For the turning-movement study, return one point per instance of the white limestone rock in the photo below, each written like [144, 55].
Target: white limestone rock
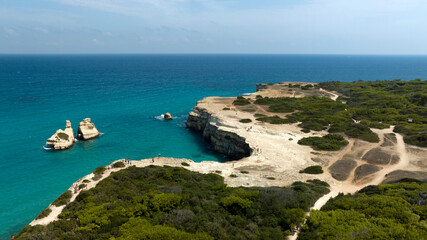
[62, 139]
[87, 130]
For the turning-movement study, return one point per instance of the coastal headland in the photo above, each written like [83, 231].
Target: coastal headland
[267, 151]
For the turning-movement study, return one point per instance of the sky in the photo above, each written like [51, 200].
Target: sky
[213, 26]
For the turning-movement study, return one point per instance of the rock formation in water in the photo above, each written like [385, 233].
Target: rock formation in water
[167, 116]
[87, 130]
[223, 141]
[62, 139]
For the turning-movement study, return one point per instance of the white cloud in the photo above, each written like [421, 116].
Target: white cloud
[10, 31]
[97, 42]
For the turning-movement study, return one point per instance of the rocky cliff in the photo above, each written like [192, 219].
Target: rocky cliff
[87, 130]
[62, 139]
[225, 142]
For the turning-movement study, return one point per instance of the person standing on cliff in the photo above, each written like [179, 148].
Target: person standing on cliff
[159, 155]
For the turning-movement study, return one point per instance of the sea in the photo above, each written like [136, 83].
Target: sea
[125, 96]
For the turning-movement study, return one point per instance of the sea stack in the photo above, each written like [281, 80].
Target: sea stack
[167, 116]
[87, 130]
[62, 139]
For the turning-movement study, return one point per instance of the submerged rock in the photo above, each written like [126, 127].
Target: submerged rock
[87, 130]
[62, 139]
[167, 116]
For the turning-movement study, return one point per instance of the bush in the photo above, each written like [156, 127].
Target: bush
[185, 164]
[233, 175]
[241, 101]
[330, 142]
[318, 182]
[218, 171]
[226, 108]
[86, 181]
[81, 186]
[245, 120]
[63, 199]
[118, 165]
[244, 172]
[98, 173]
[44, 213]
[275, 120]
[312, 170]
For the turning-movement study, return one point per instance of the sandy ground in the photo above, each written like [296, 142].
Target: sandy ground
[277, 158]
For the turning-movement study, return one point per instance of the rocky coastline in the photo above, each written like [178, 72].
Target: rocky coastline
[229, 143]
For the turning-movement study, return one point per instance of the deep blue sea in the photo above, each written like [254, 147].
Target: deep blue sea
[123, 94]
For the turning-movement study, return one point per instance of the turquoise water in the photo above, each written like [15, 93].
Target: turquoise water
[123, 94]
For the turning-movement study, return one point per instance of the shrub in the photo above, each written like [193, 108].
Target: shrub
[233, 175]
[312, 170]
[330, 142]
[44, 213]
[318, 182]
[226, 108]
[271, 178]
[86, 181]
[118, 165]
[275, 120]
[244, 172]
[63, 199]
[81, 186]
[257, 115]
[185, 164]
[98, 173]
[218, 171]
[241, 101]
[245, 120]
[258, 96]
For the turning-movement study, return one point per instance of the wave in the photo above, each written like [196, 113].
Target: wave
[101, 133]
[161, 117]
[47, 148]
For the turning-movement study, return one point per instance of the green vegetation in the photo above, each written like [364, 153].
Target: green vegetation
[258, 115]
[233, 175]
[388, 103]
[226, 108]
[241, 101]
[86, 181]
[318, 182]
[174, 203]
[312, 170]
[330, 142]
[245, 120]
[98, 173]
[377, 104]
[44, 213]
[118, 165]
[275, 120]
[244, 172]
[392, 211]
[63, 199]
[185, 164]
[81, 186]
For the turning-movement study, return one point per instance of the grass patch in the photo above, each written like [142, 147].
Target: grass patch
[245, 120]
[330, 142]
[312, 170]
[44, 213]
[63, 199]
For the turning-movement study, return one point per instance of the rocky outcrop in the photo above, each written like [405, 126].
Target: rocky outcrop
[62, 139]
[167, 116]
[223, 141]
[87, 130]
